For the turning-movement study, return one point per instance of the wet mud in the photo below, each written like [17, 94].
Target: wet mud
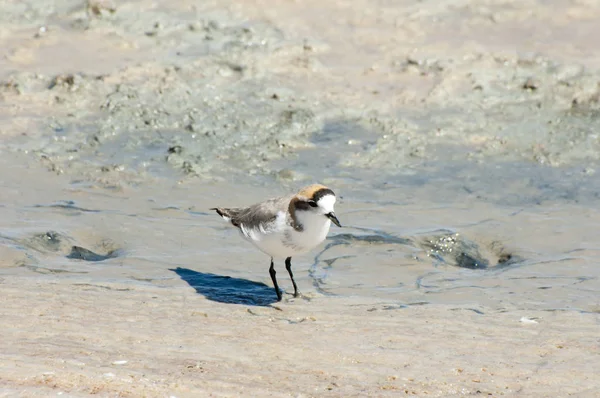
[460, 138]
[205, 108]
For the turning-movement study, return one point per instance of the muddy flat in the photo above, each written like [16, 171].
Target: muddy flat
[460, 138]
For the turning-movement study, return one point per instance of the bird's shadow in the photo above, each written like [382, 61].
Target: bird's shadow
[226, 289]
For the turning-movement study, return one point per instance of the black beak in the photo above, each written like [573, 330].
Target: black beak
[333, 219]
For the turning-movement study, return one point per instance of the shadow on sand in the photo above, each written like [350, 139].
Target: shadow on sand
[225, 289]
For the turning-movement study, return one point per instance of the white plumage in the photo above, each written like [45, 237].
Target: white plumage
[286, 226]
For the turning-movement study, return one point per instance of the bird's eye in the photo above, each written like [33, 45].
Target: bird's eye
[312, 203]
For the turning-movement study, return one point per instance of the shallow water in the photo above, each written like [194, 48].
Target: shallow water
[492, 254]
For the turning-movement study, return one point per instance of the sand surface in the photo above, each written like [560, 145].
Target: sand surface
[115, 340]
[462, 141]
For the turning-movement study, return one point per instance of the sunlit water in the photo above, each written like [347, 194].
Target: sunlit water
[431, 236]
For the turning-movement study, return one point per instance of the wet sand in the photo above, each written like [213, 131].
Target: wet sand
[460, 138]
[76, 338]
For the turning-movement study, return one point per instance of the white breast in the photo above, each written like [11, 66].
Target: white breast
[280, 240]
[314, 231]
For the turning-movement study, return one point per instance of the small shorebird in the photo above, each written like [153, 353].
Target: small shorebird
[285, 226]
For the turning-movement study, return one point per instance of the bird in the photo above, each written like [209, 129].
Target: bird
[286, 226]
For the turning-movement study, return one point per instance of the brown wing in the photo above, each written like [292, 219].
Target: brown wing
[256, 216]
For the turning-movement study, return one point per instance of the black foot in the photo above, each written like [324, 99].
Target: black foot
[288, 266]
[272, 273]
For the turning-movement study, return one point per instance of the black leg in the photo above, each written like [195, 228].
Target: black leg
[272, 273]
[288, 266]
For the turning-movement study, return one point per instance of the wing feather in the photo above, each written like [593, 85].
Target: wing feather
[261, 216]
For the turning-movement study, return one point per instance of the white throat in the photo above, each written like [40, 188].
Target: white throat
[315, 227]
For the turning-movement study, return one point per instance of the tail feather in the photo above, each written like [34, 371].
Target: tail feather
[220, 211]
[227, 214]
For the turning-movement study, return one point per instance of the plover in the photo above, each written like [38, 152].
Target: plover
[286, 226]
